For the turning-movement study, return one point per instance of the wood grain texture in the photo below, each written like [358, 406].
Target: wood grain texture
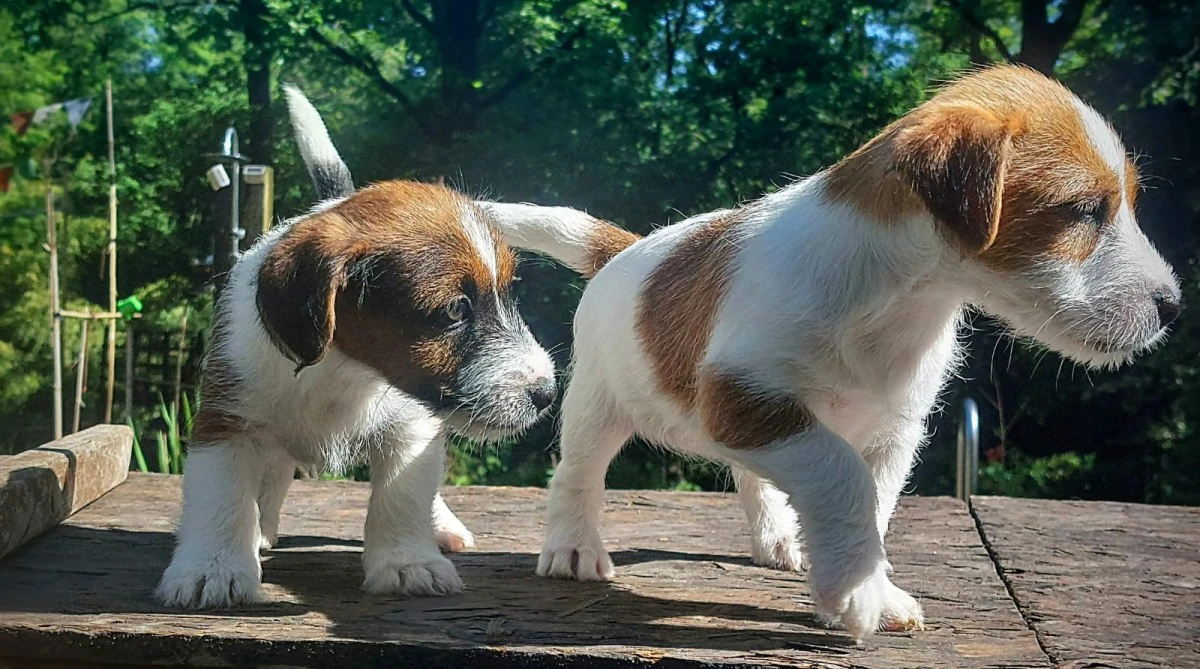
[1103, 584]
[685, 593]
[41, 487]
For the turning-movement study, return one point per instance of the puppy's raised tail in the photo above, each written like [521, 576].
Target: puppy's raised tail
[327, 169]
[582, 242]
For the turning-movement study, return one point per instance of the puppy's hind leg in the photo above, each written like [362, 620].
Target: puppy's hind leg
[279, 471]
[216, 555]
[774, 531]
[592, 435]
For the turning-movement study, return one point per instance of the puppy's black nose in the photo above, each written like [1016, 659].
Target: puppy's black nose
[542, 393]
[1169, 306]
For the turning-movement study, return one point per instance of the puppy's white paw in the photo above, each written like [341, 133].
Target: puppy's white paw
[777, 552]
[901, 613]
[220, 581]
[266, 541]
[583, 560]
[859, 609]
[411, 575]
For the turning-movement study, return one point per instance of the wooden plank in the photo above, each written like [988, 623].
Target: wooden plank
[1103, 584]
[685, 594]
[40, 488]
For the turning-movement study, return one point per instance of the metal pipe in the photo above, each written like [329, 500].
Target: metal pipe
[968, 451]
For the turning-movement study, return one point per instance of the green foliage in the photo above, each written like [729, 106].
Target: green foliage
[641, 112]
[169, 441]
[1062, 475]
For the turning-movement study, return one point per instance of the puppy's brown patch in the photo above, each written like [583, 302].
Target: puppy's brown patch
[216, 420]
[679, 302]
[375, 274]
[867, 181]
[605, 242]
[741, 417]
[1006, 136]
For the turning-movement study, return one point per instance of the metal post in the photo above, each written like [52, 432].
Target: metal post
[227, 205]
[257, 209]
[968, 450]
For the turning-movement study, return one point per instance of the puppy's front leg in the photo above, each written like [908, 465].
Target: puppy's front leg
[831, 488]
[891, 462]
[452, 535]
[400, 554]
[278, 471]
[216, 557]
[592, 435]
[774, 532]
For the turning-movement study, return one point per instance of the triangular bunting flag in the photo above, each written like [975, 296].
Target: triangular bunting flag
[44, 112]
[20, 121]
[76, 109]
[6, 173]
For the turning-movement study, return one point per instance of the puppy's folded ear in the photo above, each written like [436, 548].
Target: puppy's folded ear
[956, 159]
[298, 284]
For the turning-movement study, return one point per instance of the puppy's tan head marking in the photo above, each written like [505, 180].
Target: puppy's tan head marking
[679, 301]
[955, 159]
[1001, 159]
[399, 246]
[1037, 193]
[413, 281]
[741, 417]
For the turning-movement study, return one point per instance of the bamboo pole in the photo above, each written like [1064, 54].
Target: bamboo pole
[81, 373]
[55, 318]
[179, 353]
[88, 315]
[129, 339]
[110, 355]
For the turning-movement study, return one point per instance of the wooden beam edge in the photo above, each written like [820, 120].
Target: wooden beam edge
[42, 487]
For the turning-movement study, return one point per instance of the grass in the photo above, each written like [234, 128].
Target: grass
[168, 443]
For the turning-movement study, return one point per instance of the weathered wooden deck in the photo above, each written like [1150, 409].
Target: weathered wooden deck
[1015, 583]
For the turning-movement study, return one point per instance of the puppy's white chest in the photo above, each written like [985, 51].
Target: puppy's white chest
[856, 416]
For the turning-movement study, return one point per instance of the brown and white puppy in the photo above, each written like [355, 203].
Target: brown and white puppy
[805, 337]
[368, 329]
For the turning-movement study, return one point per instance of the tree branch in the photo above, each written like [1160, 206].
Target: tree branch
[369, 67]
[1071, 13]
[979, 24]
[520, 78]
[424, 21]
[152, 6]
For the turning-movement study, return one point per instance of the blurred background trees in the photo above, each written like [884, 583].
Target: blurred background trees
[639, 112]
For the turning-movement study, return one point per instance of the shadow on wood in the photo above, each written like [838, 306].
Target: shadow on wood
[685, 594]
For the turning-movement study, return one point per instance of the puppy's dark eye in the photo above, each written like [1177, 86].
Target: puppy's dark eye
[459, 310]
[1092, 211]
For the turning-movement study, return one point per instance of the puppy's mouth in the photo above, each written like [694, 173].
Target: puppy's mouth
[489, 423]
[1101, 350]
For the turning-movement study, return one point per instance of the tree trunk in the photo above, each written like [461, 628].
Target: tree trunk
[457, 29]
[1043, 41]
[257, 61]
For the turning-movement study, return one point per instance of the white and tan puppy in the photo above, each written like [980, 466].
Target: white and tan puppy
[368, 329]
[804, 338]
